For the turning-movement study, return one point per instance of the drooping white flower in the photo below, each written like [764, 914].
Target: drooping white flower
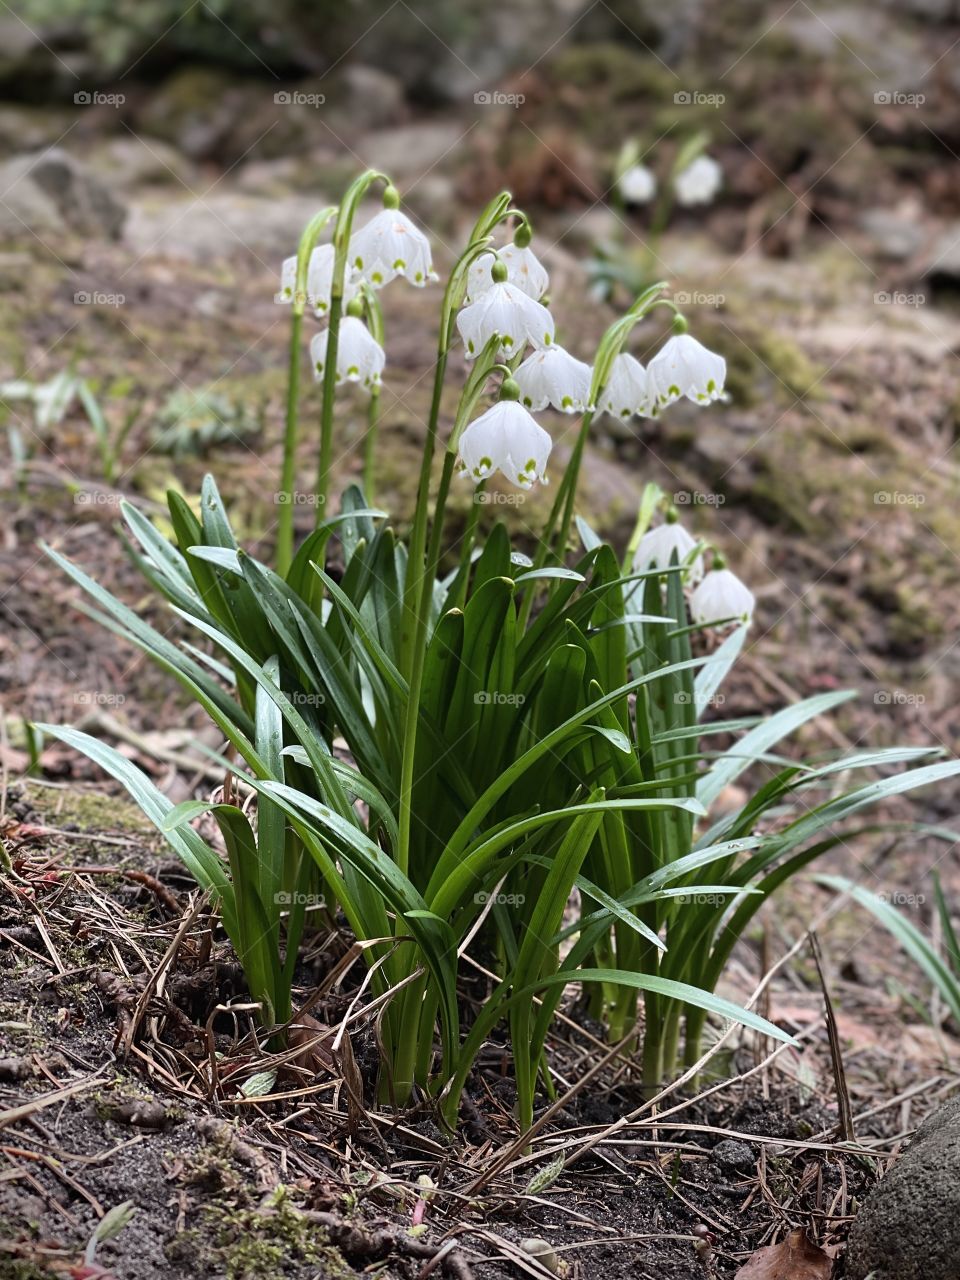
[555, 377]
[657, 546]
[319, 280]
[524, 270]
[360, 358]
[720, 597]
[507, 310]
[626, 391]
[685, 367]
[637, 184]
[699, 182]
[390, 245]
[507, 439]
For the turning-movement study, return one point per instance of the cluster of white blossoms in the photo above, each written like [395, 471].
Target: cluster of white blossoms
[717, 596]
[699, 182]
[386, 247]
[504, 298]
[696, 183]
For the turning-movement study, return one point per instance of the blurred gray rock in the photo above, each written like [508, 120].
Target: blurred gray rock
[221, 225]
[412, 149]
[942, 263]
[441, 51]
[24, 128]
[50, 191]
[878, 48]
[127, 162]
[363, 97]
[892, 234]
[909, 1226]
[194, 111]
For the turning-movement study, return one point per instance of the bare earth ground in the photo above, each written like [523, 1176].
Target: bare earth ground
[829, 480]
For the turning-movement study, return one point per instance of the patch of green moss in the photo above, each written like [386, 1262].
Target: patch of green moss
[250, 1245]
[799, 485]
[764, 354]
[615, 70]
[91, 811]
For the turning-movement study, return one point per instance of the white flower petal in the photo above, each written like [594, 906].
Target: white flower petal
[390, 245]
[360, 358]
[507, 310]
[720, 597]
[319, 280]
[524, 270]
[699, 182]
[657, 546]
[506, 439]
[637, 184]
[626, 391]
[685, 367]
[554, 377]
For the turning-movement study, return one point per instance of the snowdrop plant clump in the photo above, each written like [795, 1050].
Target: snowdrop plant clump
[692, 180]
[477, 759]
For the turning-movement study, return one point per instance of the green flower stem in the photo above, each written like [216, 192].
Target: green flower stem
[562, 508]
[370, 445]
[421, 613]
[322, 490]
[407, 1042]
[308, 242]
[341, 243]
[458, 591]
[693, 1034]
[573, 480]
[288, 471]
[374, 316]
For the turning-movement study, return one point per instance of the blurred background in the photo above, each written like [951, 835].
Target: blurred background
[158, 160]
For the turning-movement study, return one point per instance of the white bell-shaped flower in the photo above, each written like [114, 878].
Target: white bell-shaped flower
[721, 597]
[684, 367]
[699, 182]
[506, 439]
[637, 185]
[626, 391]
[390, 245]
[360, 358]
[319, 280]
[524, 270]
[555, 377]
[505, 309]
[657, 547]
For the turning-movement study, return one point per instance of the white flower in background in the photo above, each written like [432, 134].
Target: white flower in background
[626, 391]
[554, 377]
[699, 182]
[524, 270]
[657, 546]
[390, 245]
[684, 367]
[507, 310]
[637, 184]
[319, 280]
[360, 358]
[721, 597]
[507, 439]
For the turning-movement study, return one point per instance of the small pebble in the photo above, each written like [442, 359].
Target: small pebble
[732, 1153]
[542, 1250]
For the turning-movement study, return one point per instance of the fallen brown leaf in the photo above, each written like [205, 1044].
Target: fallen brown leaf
[795, 1258]
[321, 1053]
